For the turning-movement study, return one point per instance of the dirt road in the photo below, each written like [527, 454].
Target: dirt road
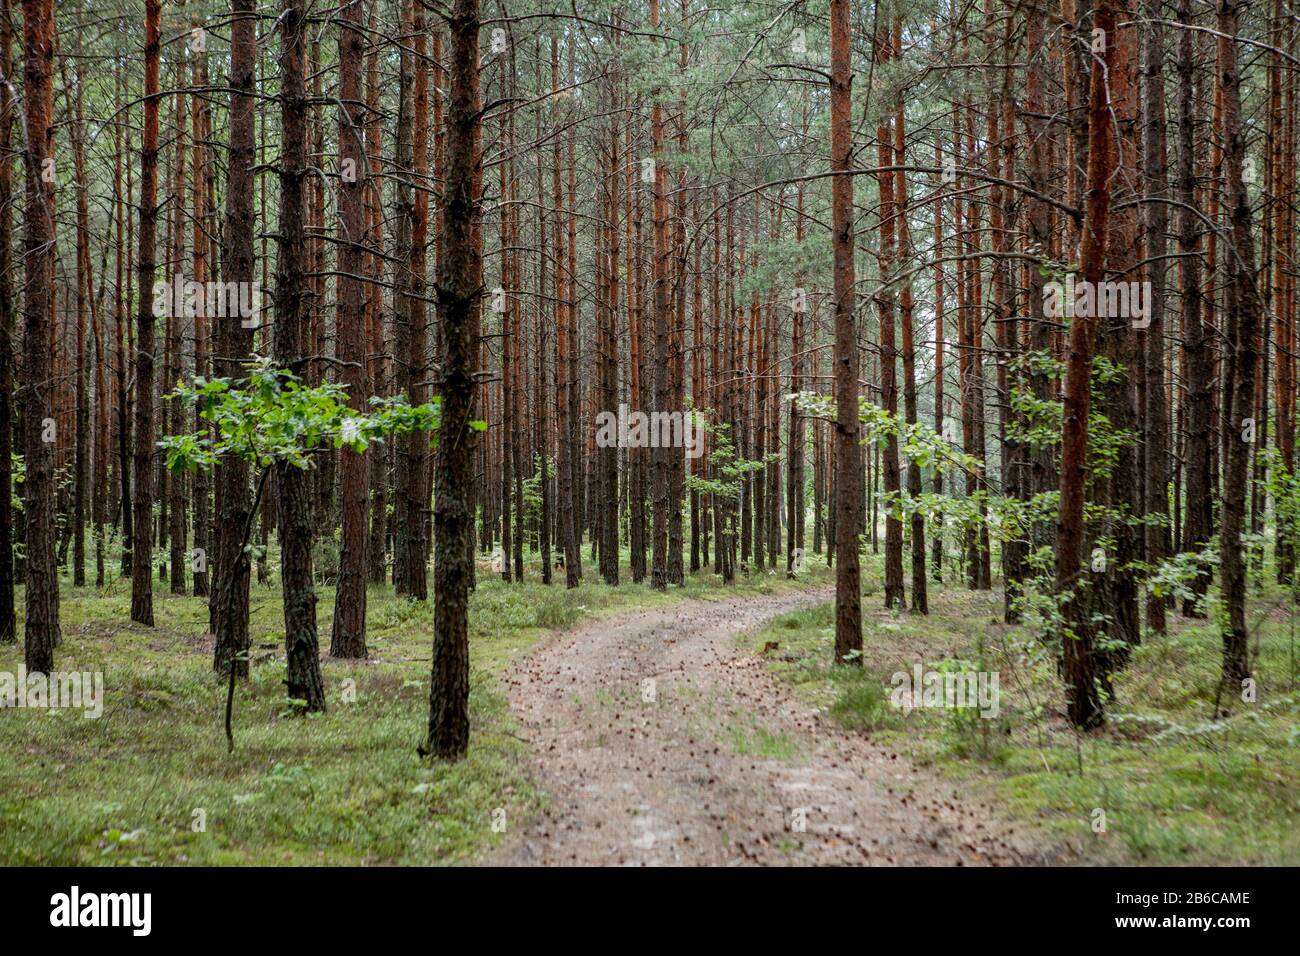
[663, 742]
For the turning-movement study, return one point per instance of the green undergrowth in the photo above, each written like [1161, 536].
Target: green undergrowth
[1163, 782]
[151, 782]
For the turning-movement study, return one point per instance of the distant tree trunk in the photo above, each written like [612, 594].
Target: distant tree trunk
[519, 369]
[968, 547]
[41, 624]
[348, 638]
[920, 594]
[758, 421]
[677, 334]
[575, 384]
[125, 350]
[541, 392]
[1006, 323]
[699, 402]
[1281, 113]
[1155, 414]
[1273, 294]
[659, 455]
[410, 341]
[174, 483]
[978, 545]
[564, 385]
[848, 451]
[721, 365]
[797, 440]
[505, 432]
[458, 295]
[377, 351]
[609, 357]
[435, 351]
[1196, 331]
[885, 301]
[85, 295]
[939, 349]
[203, 231]
[1042, 459]
[142, 546]
[418, 546]
[636, 457]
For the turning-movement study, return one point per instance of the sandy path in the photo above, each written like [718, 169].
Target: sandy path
[724, 761]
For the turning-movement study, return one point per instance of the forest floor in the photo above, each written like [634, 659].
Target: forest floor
[748, 747]
[1164, 782]
[150, 781]
[661, 740]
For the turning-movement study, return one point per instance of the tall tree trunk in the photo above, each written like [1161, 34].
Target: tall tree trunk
[609, 356]
[1199, 461]
[41, 623]
[920, 594]
[85, 295]
[564, 384]
[885, 301]
[1243, 308]
[234, 343]
[301, 646]
[940, 407]
[348, 638]
[848, 451]
[142, 545]
[410, 341]
[797, 441]
[660, 454]
[174, 483]
[458, 295]
[541, 392]
[1155, 414]
[1042, 477]
[1115, 489]
[125, 330]
[8, 308]
[1079, 664]
[201, 120]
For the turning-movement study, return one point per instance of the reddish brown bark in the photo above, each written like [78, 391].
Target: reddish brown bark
[1079, 665]
[848, 464]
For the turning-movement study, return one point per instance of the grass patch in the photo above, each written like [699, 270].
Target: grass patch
[150, 782]
[1175, 785]
[759, 741]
